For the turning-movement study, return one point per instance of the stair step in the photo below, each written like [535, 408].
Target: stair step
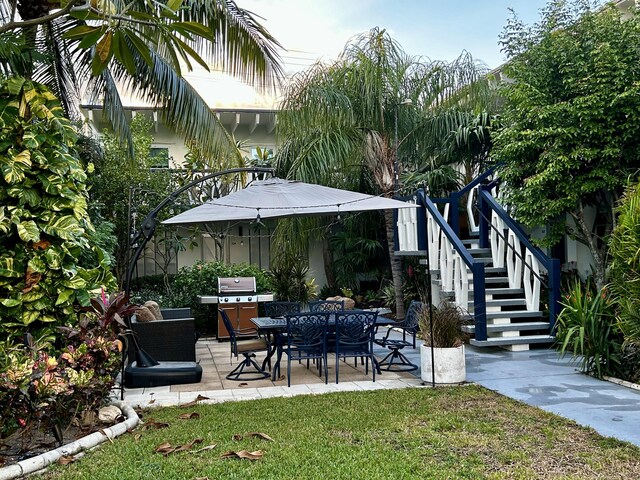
[510, 314]
[501, 341]
[503, 302]
[480, 251]
[489, 291]
[502, 291]
[509, 327]
[484, 260]
[495, 270]
[496, 280]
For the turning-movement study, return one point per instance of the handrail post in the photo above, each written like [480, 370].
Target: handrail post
[479, 301]
[421, 224]
[554, 293]
[396, 232]
[454, 213]
[483, 224]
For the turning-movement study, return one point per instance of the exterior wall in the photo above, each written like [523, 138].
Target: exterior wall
[316, 264]
[578, 255]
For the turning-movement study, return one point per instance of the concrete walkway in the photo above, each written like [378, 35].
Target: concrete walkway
[537, 377]
[542, 379]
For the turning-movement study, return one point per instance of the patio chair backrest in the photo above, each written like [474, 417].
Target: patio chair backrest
[280, 309]
[355, 327]
[232, 331]
[326, 306]
[308, 329]
[411, 322]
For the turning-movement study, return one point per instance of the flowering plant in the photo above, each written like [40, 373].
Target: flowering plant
[39, 384]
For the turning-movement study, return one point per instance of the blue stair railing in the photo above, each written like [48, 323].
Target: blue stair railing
[445, 233]
[510, 248]
[494, 220]
[455, 198]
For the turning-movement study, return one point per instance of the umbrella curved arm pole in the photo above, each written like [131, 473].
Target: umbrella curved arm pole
[150, 222]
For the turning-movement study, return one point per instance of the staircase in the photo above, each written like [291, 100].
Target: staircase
[496, 274]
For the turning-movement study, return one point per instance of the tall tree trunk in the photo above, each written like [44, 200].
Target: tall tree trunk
[588, 237]
[396, 264]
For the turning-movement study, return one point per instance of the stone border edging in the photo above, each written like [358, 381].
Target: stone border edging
[624, 383]
[39, 462]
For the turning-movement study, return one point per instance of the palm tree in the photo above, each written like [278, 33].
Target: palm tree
[347, 124]
[102, 48]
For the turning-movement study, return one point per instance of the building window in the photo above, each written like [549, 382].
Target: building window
[159, 157]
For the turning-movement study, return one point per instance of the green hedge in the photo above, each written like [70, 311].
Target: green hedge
[198, 279]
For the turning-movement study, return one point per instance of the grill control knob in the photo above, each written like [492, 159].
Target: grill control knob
[226, 299]
[249, 299]
[237, 299]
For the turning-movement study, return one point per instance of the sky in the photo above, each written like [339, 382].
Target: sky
[437, 29]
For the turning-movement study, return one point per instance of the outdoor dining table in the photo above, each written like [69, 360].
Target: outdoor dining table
[274, 327]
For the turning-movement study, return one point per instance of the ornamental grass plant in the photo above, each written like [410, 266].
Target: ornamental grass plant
[448, 320]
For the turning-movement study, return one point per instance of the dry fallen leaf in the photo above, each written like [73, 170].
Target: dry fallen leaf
[66, 460]
[208, 447]
[281, 377]
[243, 454]
[137, 437]
[188, 446]
[41, 245]
[152, 400]
[243, 384]
[189, 416]
[261, 435]
[166, 448]
[151, 423]
[201, 478]
[237, 437]
[193, 403]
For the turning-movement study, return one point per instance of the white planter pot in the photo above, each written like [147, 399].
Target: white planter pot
[450, 364]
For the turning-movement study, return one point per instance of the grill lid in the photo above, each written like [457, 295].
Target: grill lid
[234, 285]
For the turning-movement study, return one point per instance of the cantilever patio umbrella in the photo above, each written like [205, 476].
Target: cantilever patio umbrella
[275, 197]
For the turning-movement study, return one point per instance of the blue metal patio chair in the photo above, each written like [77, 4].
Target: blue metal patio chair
[355, 332]
[280, 309]
[396, 361]
[307, 340]
[326, 306]
[248, 349]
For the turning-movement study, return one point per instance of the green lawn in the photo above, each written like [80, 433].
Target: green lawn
[461, 432]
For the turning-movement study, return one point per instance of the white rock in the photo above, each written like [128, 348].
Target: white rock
[109, 414]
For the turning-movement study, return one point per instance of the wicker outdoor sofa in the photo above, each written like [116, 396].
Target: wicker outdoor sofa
[172, 339]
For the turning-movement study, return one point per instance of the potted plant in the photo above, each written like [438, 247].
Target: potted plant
[442, 352]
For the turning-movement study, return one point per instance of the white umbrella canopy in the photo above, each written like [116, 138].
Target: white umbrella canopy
[275, 197]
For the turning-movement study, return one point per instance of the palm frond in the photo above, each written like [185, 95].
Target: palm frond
[183, 109]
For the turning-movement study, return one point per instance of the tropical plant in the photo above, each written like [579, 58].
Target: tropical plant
[288, 276]
[447, 320]
[347, 124]
[41, 387]
[586, 327]
[624, 248]
[43, 215]
[124, 189]
[571, 134]
[357, 253]
[100, 47]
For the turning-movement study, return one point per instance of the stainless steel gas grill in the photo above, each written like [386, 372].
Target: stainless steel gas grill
[238, 298]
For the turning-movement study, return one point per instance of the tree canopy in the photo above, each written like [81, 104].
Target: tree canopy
[571, 134]
[99, 49]
[352, 123]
